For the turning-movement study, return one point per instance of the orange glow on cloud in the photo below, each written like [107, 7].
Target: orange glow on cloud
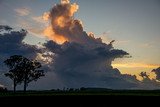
[65, 1]
[46, 16]
[136, 65]
[136, 68]
[74, 8]
[60, 39]
[48, 32]
[60, 21]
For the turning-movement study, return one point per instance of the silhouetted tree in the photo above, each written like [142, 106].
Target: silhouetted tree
[32, 72]
[23, 70]
[15, 72]
[144, 75]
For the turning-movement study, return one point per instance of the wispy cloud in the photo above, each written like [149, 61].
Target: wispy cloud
[43, 19]
[24, 11]
[147, 45]
[123, 42]
[33, 24]
[38, 19]
[106, 38]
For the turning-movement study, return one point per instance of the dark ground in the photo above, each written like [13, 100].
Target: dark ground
[81, 98]
[87, 92]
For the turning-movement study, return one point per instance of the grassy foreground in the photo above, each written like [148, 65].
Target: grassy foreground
[83, 93]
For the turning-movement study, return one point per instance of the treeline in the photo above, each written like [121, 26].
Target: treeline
[82, 89]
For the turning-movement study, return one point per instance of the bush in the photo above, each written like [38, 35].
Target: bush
[3, 89]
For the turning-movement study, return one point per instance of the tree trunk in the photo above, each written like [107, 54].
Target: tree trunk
[14, 85]
[25, 85]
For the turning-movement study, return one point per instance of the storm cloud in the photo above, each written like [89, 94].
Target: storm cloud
[72, 57]
[12, 44]
[157, 72]
[80, 59]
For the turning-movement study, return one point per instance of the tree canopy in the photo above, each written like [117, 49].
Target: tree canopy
[23, 70]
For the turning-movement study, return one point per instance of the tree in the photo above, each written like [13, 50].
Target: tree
[144, 75]
[23, 70]
[32, 72]
[15, 72]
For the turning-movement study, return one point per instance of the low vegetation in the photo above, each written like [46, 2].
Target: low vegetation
[82, 92]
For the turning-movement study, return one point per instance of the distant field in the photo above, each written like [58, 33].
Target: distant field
[83, 93]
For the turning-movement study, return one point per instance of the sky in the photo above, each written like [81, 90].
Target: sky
[133, 24]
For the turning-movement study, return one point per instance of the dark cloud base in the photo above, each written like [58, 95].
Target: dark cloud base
[74, 65]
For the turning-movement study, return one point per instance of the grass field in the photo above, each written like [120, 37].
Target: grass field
[83, 93]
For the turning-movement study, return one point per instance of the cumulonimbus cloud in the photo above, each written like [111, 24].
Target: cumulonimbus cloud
[80, 59]
[76, 58]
